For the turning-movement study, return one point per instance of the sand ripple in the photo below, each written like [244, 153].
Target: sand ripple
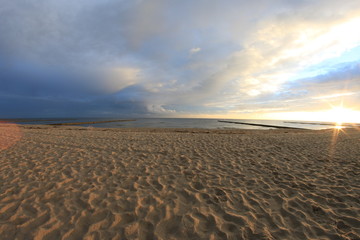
[78, 183]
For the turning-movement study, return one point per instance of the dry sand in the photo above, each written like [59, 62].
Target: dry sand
[86, 183]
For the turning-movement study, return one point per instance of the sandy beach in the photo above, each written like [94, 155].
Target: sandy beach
[62, 182]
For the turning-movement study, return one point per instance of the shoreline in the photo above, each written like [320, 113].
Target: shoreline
[71, 182]
[181, 123]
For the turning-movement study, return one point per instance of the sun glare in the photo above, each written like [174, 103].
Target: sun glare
[337, 115]
[340, 115]
[339, 127]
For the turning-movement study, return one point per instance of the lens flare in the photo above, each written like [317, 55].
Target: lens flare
[10, 134]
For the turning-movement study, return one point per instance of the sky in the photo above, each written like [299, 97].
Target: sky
[272, 59]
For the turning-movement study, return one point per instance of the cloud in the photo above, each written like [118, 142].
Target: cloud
[339, 86]
[336, 95]
[159, 109]
[195, 50]
[166, 57]
[119, 78]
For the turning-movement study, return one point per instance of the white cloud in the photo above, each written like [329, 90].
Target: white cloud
[195, 50]
[159, 109]
[119, 78]
[336, 95]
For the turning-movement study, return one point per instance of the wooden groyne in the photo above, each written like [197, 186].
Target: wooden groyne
[261, 125]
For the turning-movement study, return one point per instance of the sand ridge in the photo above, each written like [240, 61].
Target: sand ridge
[88, 183]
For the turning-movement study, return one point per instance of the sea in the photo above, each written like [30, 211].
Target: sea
[183, 123]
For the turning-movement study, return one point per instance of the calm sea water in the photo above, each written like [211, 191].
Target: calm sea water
[185, 123]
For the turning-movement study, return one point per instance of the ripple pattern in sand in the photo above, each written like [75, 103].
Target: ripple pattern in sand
[94, 184]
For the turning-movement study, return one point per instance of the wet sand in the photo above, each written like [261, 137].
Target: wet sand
[61, 182]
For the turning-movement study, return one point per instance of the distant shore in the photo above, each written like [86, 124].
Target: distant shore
[20, 120]
[92, 122]
[76, 182]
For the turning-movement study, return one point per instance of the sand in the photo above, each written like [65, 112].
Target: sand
[87, 183]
